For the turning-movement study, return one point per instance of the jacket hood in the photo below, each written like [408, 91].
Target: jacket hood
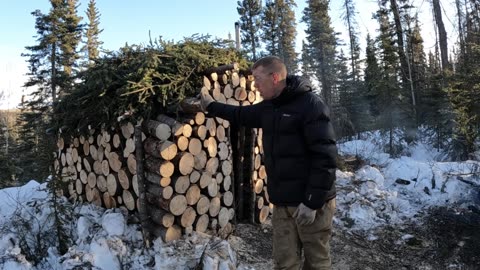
[296, 86]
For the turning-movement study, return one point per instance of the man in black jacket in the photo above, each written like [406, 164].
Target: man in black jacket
[300, 159]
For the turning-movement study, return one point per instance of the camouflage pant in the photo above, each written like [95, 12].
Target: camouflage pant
[289, 238]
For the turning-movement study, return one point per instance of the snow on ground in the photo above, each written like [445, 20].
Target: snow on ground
[102, 240]
[390, 190]
[386, 190]
[10, 198]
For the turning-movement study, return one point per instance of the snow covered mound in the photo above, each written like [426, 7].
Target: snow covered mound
[11, 197]
[384, 191]
[392, 190]
[101, 239]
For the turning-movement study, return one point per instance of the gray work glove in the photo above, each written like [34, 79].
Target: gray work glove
[205, 99]
[304, 215]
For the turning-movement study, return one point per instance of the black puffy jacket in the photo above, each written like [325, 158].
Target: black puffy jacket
[298, 140]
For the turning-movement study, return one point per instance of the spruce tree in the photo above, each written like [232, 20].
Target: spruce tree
[279, 31]
[354, 101]
[31, 156]
[401, 21]
[464, 89]
[93, 44]
[306, 63]
[69, 40]
[288, 34]
[321, 45]
[354, 46]
[45, 74]
[461, 26]
[250, 26]
[44, 63]
[418, 65]
[8, 136]
[343, 104]
[373, 77]
[442, 34]
[397, 13]
[270, 27]
[52, 62]
[70, 36]
[389, 92]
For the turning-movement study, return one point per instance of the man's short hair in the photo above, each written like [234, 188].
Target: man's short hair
[271, 63]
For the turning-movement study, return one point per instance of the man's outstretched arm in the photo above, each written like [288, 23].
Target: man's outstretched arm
[248, 116]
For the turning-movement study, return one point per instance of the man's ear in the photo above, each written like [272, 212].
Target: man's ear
[276, 77]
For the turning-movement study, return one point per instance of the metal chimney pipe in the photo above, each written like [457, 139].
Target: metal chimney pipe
[237, 35]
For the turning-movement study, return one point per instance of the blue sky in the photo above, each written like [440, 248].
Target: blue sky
[130, 21]
[121, 20]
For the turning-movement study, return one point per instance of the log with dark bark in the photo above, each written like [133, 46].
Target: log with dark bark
[190, 105]
[222, 69]
[142, 209]
[160, 167]
[175, 126]
[166, 150]
[157, 129]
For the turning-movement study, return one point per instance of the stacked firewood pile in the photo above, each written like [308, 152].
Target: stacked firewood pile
[186, 175]
[189, 175]
[241, 92]
[100, 168]
[263, 207]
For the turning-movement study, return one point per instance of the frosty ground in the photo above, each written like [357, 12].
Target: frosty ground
[413, 211]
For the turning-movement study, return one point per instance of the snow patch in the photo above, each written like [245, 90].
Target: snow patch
[386, 191]
[113, 224]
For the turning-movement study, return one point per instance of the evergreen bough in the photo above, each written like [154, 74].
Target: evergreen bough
[141, 80]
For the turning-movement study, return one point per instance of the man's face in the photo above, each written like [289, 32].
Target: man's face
[264, 82]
